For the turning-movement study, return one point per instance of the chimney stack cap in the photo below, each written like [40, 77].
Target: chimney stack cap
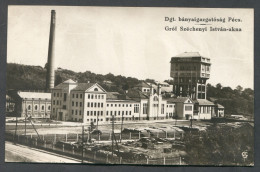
[52, 11]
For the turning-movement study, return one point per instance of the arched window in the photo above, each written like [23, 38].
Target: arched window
[29, 107]
[155, 98]
[95, 89]
[35, 107]
[42, 107]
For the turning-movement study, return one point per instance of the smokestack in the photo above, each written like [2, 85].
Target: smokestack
[50, 67]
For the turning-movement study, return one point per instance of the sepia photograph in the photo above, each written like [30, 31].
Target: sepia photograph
[162, 86]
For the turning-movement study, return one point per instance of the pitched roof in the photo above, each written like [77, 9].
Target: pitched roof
[178, 99]
[189, 54]
[143, 84]
[69, 81]
[136, 94]
[204, 102]
[83, 86]
[34, 95]
[220, 106]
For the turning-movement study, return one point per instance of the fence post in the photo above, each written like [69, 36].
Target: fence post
[83, 153]
[88, 136]
[52, 146]
[147, 161]
[73, 150]
[43, 137]
[36, 142]
[54, 138]
[166, 134]
[180, 160]
[77, 137]
[163, 160]
[95, 156]
[157, 134]
[63, 148]
[107, 159]
[139, 134]
[130, 136]
[45, 143]
[120, 161]
[66, 137]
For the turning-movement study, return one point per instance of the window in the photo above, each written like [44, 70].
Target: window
[87, 113]
[107, 113]
[119, 105]
[65, 97]
[101, 104]
[188, 108]
[130, 112]
[80, 104]
[58, 95]
[29, 107]
[72, 95]
[80, 112]
[107, 105]
[42, 107]
[95, 96]
[98, 96]
[118, 112]
[92, 96]
[111, 105]
[123, 112]
[115, 105]
[96, 89]
[88, 104]
[115, 113]
[145, 108]
[98, 104]
[76, 112]
[102, 96]
[91, 113]
[136, 108]
[126, 105]
[76, 104]
[54, 94]
[81, 96]
[155, 98]
[95, 113]
[91, 104]
[130, 105]
[123, 105]
[111, 113]
[126, 112]
[77, 95]
[101, 113]
[72, 103]
[35, 107]
[88, 96]
[95, 105]
[57, 102]
[72, 112]
[162, 109]
[49, 107]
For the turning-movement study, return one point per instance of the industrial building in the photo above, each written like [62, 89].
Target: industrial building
[190, 72]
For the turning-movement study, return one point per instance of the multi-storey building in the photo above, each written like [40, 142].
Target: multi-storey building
[32, 104]
[190, 72]
[89, 102]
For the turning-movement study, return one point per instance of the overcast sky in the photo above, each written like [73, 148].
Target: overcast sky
[131, 41]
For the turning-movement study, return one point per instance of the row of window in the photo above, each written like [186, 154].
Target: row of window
[119, 113]
[58, 102]
[95, 96]
[77, 96]
[36, 107]
[126, 119]
[76, 104]
[119, 105]
[76, 112]
[94, 113]
[94, 120]
[60, 95]
[205, 109]
[95, 104]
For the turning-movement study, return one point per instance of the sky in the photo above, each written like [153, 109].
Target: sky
[132, 41]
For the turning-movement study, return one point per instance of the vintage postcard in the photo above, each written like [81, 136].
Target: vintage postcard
[130, 85]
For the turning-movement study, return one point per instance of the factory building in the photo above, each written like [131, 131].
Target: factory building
[190, 72]
[89, 102]
[32, 104]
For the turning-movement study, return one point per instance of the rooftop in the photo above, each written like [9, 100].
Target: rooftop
[204, 102]
[178, 99]
[189, 54]
[34, 95]
[83, 86]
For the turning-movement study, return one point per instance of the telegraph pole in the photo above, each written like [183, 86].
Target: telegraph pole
[25, 122]
[122, 127]
[112, 136]
[82, 144]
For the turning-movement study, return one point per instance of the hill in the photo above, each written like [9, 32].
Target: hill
[24, 77]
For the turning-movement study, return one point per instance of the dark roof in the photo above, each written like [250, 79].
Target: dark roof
[83, 86]
[143, 84]
[136, 94]
[177, 100]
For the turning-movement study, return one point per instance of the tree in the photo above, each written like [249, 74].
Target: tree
[239, 89]
[219, 86]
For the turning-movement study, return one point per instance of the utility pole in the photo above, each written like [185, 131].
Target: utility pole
[25, 122]
[112, 137]
[82, 144]
[15, 129]
[122, 127]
